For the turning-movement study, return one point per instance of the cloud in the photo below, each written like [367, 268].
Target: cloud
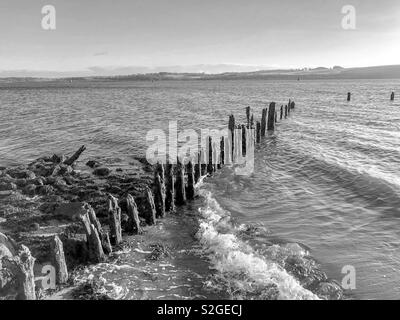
[103, 53]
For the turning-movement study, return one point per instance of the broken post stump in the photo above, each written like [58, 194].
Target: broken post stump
[248, 116]
[114, 213]
[292, 105]
[151, 210]
[159, 196]
[286, 111]
[58, 260]
[133, 224]
[210, 169]
[70, 161]
[258, 132]
[170, 189]
[197, 170]
[190, 184]
[348, 96]
[263, 122]
[180, 185]
[281, 115]
[243, 140]
[271, 116]
[392, 97]
[222, 150]
[103, 235]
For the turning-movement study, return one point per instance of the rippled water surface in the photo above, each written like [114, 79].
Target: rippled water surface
[328, 178]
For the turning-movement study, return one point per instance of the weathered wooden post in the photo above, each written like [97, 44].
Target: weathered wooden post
[276, 116]
[203, 163]
[231, 129]
[258, 132]
[281, 112]
[292, 104]
[263, 121]
[252, 121]
[222, 151]
[170, 189]
[210, 169]
[271, 116]
[286, 111]
[103, 234]
[197, 170]
[248, 116]
[180, 184]
[114, 213]
[348, 96]
[190, 184]
[159, 196]
[151, 213]
[133, 224]
[58, 260]
[243, 140]
[392, 97]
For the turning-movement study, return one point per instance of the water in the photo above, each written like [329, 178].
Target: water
[326, 182]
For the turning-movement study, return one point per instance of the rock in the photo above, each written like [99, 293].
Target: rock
[34, 226]
[71, 210]
[21, 183]
[93, 164]
[21, 173]
[45, 190]
[65, 169]
[16, 271]
[102, 171]
[330, 290]
[7, 186]
[119, 170]
[58, 158]
[29, 190]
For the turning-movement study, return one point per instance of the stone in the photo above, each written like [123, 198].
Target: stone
[7, 186]
[93, 164]
[330, 291]
[29, 190]
[45, 190]
[101, 171]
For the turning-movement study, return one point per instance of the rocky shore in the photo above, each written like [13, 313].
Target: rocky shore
[55, 217]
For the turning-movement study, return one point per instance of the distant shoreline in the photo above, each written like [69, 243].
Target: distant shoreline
[336, 73]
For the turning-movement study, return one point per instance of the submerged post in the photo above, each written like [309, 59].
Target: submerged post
[281, 113]
[243, 140]
[348, 96]
[286, 111]
[392, 97]
[222, 150]
[210, 156]
[231, 129]
[271, 116]
[258, 132]
[292, 104]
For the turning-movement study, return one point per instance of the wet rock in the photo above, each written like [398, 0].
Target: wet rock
[102, 172]
[58, 158]
[17, 173]
[71, 211]
[34, 226]
[330, 290]
[30, 190]
[65, 169]
[119, 170]
[93, 164]
[7, 186]
[45, 190]
[16, 271]
[21, 183]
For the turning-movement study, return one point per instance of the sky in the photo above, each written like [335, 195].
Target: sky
[102, 37]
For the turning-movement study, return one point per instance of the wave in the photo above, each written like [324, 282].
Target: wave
[240, 269]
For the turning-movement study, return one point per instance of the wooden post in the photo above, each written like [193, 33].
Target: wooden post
[190, 184]
[392, 97]
[70, 161]
[252, 121]
[243, 140]
[271, 116]
[248, 116]
[180, 184]
[133, 216]
[210, 156]
[276, 116]
[348, 96]
[286, 111]
[281, 113]
[203, 163]
[95, 248]
[151, 213]
[222, 150]
[263, 122]
[114, 212]
[258, 132]
[103, 234]
[292, 104]
[197, 170]
[159, 196]
[231, 129]
[58, 260]
[170, 189]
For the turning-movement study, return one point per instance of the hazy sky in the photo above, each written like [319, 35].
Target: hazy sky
[98, 34]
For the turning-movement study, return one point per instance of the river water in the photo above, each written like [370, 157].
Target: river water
[326, 183]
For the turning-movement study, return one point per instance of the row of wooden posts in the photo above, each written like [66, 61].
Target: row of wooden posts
[349, 96]
[174, 184]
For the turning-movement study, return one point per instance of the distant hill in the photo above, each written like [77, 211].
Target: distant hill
[337, 72]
